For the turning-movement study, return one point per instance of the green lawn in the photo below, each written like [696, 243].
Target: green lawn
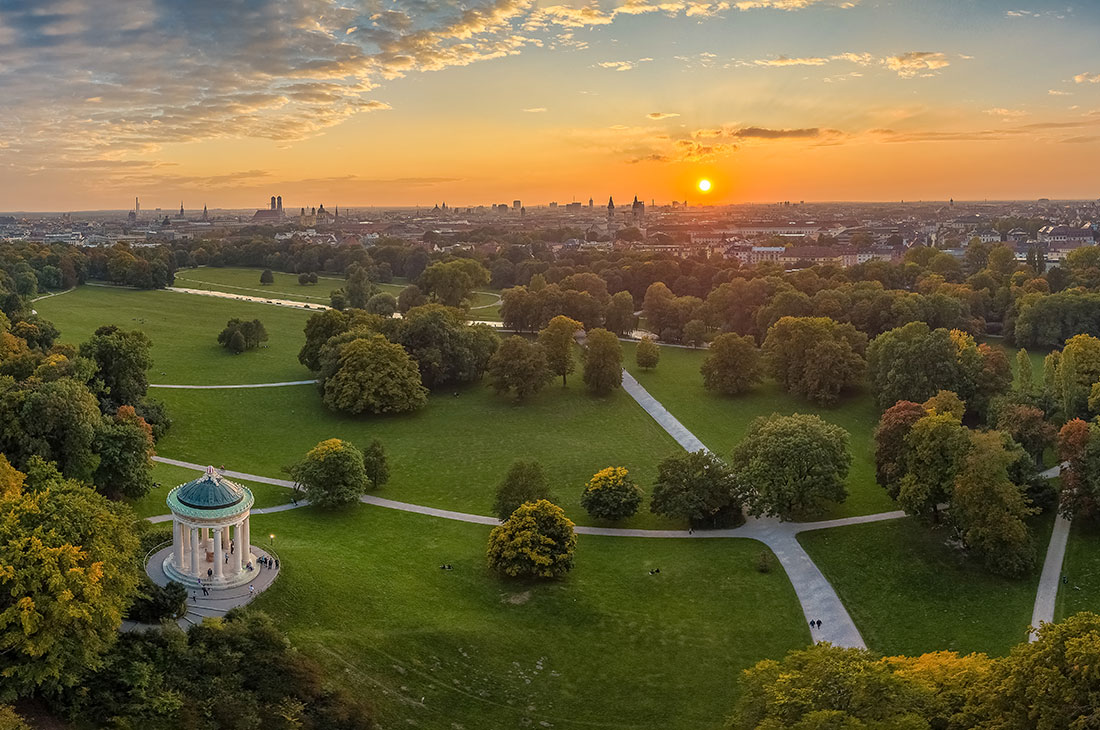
[247, 282]
[720, 421]
[152, 504]
[1081, 567]
[450, 454]
[910, 593]
[184, 329]
[609, 646]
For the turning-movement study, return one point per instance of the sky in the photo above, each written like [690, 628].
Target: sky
[416, 102]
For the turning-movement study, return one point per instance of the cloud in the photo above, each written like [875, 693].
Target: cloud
[1087, 78]
[661, 115]
[1006, 113]
[1056, 92]
[535, 109]
[623, 65]
[785, 61]
[765, 133]
[917, 63]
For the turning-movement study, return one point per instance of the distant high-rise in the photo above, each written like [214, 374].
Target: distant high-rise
[279, 204]
[137, 208]
[637, 210]
[273, 202]
[590, 202]
[516, 205]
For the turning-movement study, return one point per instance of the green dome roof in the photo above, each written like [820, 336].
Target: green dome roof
[211, 491]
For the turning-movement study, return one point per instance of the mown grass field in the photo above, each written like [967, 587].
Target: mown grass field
[184, 329]
[721, 421]
[609, 646]
[451, 454]
[1081, 568]
[909, 592]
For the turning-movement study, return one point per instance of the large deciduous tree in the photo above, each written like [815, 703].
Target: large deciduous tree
[647, 353]
[121, 359]
[792, 466]
[446, 349]
[891, 462]
[732, 365]
[68, 570]
[124, 444]
[332, 474]
[912, 363]
[611, 494]
[370, 374]
[603, 362]
[375, 464]
[451, 283]
[619, 316]
[815, 357]
[558, 340]
[240, 335]
[1027, 425]
[536, 541]
[519, 366]
[935, 448]
[696, 486]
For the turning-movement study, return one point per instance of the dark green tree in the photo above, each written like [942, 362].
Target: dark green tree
[376, 465]
[332, 474]
[694, 486]
[603, 362]
[519, 366]
[524, 482]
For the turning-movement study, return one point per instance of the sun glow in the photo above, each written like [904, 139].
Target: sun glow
[704, 185]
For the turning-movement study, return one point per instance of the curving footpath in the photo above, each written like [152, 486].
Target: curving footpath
[231, 387]
[1047, 594]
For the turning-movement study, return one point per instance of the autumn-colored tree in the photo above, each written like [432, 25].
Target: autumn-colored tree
[945, 401]
[536, 541]
[611, 494]
[558, 340]
[732, 365]
[1024, 383]
[891, 462]
[1027, 425]
[935, 447]
[988, 511]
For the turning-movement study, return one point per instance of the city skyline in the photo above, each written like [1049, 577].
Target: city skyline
[396, 106]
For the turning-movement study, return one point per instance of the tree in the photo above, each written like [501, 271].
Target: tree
[1079, 448]
[647, 353]
[332, 474]
[410, 297]
[815, 357]
[451, 283]
[383, 304]
[519, 365]
[694, 486]
[557, 340]
[1047, 683]
[695, 333]
[732, 365]
[524, 482]
[446, 349]
[370, 374]
[121, 359]
[611, 494]
[603, 362]
[56, 420]
[9, 720]
[69, 570]
[791, 466]
[536, 541]
[935, 448]
[989, 511]
[125, 448]
[619, 316]
[1028, 427]
[240, 335]
[945, 401]
[891, 460]
[1024, 384]
[319, 328]
[913, 363]
[267, 277]
[375, 464]
[359, 288]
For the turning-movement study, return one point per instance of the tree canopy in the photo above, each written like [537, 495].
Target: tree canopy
[536, 541]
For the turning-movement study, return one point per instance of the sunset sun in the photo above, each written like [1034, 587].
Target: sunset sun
[704, 185]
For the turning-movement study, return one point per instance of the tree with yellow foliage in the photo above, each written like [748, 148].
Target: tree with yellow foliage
[537, 541]
[611, 494]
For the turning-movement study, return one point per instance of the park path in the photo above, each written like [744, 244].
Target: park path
[1046, 595]
[230, 387]
[246, 298]
[660, 414]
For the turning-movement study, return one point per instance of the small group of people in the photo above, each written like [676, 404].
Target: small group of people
[267, 562]
[446, 566]
[655, 571]
[815, 623]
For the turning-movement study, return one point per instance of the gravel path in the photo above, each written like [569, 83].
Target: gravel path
[1049, 580]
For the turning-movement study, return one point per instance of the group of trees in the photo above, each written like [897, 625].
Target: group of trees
[334, 473]
[241, 335]
[371, 364]
[928, 460]
[1048, 683]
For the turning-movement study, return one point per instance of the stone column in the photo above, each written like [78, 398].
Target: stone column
[177, 542]
[225, 539]
[196, 550]
[235, 559]
[219, 556]
[246, 543]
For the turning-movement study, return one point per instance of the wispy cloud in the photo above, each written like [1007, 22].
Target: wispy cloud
[906, 65]
[1087, 78]
[1056, 92]
[623, 65]
[917, 63]
[535, 109]
[661, 115]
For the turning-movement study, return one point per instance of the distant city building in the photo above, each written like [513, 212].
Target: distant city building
[274, 214]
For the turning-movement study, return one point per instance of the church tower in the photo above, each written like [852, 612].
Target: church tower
[610, 210]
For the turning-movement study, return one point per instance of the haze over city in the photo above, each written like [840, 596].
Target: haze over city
[378, 104]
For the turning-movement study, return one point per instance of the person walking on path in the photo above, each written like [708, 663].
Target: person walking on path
[251, 589]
